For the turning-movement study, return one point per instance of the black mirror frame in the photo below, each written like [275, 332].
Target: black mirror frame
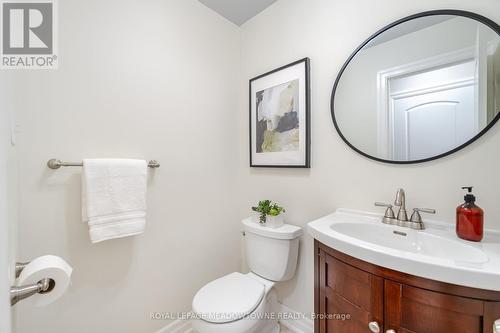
[494, 26]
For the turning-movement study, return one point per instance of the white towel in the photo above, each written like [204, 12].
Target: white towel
[114, 197]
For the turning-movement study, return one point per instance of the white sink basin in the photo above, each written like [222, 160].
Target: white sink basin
[411, 241]
[434, 253]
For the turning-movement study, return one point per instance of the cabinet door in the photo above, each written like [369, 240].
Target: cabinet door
[409, 309]
[344, 289]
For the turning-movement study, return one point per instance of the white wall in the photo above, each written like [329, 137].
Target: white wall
[8, 201]
[5, 278]
[327, 32]
[152, 79]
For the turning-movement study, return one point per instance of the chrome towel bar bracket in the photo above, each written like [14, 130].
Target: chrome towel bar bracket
[56, 164]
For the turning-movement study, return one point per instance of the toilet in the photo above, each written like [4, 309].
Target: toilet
[247, 303]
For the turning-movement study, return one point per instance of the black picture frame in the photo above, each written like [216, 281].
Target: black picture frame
[307, 126]
[491, 24]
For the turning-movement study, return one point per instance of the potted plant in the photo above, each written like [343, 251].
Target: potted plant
[269, 213]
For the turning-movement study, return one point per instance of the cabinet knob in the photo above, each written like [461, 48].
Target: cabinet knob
[374, 327]
[496, 326]
[390, 331]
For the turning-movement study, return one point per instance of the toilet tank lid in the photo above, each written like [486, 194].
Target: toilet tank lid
[286, 231]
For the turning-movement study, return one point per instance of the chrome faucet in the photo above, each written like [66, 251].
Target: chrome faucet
[401, 219]
[400, 201]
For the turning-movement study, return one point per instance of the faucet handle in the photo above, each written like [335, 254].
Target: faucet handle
[389, 213]
[415, 216]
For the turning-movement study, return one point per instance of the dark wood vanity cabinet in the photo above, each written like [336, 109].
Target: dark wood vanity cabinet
[394, 301]
[410, 309]
[344, 289]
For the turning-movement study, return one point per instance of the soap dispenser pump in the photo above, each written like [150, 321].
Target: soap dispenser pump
[470, 218]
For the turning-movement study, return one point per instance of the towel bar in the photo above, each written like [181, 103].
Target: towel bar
[56, 164]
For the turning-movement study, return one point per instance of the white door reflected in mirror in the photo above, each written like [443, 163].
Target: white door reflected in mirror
[433, 112]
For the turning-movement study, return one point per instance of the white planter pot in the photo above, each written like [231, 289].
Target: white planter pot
[254, 216]
[274, 221]
[271, 221]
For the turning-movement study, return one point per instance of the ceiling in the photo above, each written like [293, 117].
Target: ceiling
[238, 11]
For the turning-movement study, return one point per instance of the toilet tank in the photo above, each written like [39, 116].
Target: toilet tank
[272, 252]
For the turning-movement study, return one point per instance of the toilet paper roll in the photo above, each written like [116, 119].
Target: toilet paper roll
[51, 267]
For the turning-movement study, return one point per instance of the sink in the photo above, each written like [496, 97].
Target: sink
[411, 241]
[434, 253]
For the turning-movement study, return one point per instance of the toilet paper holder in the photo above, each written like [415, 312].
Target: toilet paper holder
[19, 293]
[19, 267]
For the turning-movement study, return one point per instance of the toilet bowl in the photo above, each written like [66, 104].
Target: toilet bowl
[247, 303]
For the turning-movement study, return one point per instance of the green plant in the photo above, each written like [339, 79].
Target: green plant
[267, 207]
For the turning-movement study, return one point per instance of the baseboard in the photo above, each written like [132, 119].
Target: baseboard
[291, 320]
[295, 321]
[178, 326]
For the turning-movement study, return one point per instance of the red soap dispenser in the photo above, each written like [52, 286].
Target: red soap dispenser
[470, 218]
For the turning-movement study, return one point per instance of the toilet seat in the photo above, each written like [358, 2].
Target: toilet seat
[229, 298]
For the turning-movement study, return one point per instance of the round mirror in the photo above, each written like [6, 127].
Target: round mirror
[421, 88]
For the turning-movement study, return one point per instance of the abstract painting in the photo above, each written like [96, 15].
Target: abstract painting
[277, 118]
[279, 111]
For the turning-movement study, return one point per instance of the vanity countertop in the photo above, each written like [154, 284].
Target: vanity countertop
[434, 253]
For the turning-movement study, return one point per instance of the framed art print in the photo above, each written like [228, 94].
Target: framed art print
[280, 117]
